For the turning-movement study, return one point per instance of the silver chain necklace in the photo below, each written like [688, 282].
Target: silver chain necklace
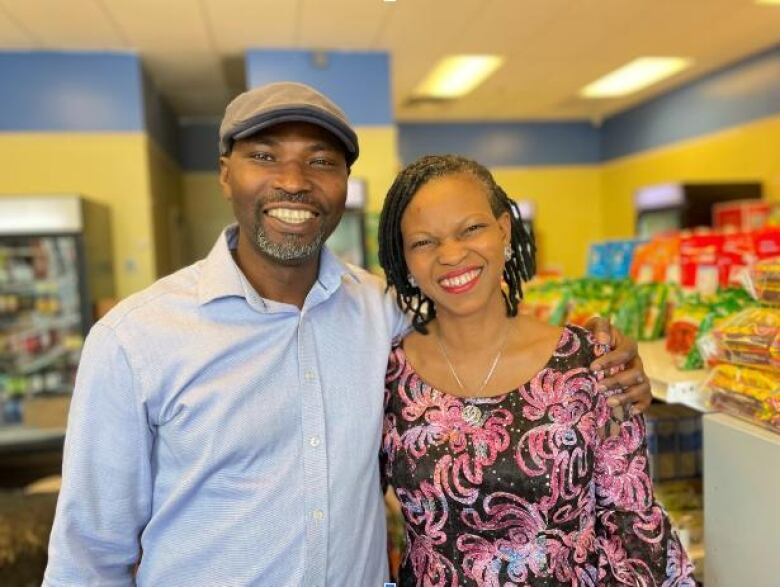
[490, 372]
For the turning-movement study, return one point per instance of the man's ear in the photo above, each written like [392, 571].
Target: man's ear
[224, 176]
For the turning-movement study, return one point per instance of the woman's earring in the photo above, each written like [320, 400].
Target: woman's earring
[507, 252]
[412, 281]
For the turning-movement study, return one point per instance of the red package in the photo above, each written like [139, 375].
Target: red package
[741, 214]
[766, 242]
[699, 254]
[737, 254]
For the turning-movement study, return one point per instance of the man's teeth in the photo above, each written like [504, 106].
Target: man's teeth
[460, 280]
[290, 215]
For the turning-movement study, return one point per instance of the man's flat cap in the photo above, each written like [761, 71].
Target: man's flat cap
[280, 102]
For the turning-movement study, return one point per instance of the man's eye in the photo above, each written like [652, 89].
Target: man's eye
[261, 156]
[323, 162]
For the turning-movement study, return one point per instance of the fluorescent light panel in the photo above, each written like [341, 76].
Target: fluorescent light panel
[769, 2]
[457, 75]
[635, 76]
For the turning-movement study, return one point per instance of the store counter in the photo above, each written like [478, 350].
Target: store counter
[741, 513]
[28, 453]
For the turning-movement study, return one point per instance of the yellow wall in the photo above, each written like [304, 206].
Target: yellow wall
[206, 212]
[165, 186]
[110, 168]
[378, 163]
[567, 211]
[748, 152]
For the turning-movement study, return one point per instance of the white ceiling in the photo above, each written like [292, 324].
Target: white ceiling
[193, 49]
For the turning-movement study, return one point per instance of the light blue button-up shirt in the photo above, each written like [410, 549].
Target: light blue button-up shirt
[232, 440]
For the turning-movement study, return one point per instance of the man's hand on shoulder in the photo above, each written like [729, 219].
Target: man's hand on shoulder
[632, 379]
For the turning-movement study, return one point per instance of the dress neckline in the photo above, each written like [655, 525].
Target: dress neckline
[565, 330]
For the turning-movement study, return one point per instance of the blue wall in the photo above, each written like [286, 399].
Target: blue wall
[358, 82]
[738, 94]
[504, 144]
[55, 91]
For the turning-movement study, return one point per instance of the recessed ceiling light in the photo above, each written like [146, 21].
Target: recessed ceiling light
[635, 76]
[457, 75]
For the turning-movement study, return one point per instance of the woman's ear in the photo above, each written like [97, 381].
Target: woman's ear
[505, 223]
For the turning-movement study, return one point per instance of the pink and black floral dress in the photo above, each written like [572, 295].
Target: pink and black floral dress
[525, 488]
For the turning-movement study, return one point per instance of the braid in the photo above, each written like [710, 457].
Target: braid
[520, 267]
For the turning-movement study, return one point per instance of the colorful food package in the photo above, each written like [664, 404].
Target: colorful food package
[741, 214]
[599, 260]
[766, 242]
[736, 255]
[612, 259]
[548, 303]
[746, 392]
[751, 338]
[656, 261]
[583, 309]
[656, 311]
[762, 280]
[683, 328]
[699, 255]
[693, 319]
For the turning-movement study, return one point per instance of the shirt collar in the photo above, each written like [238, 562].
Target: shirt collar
[221, 277]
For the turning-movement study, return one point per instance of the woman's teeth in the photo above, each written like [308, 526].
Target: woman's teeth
[461, 280]
[290, 215]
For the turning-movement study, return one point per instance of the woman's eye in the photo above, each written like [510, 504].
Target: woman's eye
[420, 243]
[474, 228]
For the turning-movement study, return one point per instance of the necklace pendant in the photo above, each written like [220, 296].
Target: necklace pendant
[472, 415]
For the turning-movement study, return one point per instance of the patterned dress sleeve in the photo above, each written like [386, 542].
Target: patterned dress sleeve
[636, 542]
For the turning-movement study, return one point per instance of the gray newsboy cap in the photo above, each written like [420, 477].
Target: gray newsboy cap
[275, 103]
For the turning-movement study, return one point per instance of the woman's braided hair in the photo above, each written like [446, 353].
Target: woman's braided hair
[520, 267]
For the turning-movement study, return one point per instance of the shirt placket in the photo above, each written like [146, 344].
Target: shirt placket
[315, 457]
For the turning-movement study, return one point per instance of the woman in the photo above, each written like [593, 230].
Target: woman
[498, 440]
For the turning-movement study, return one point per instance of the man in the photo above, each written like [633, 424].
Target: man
[226, 421]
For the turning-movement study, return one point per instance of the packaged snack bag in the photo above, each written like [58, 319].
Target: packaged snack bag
[751, 338]
[699, 254]
[656, 311]
[548, 302]
[762, 280]
[746, 392]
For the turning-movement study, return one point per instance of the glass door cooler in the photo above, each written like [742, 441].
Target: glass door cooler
[54, 263]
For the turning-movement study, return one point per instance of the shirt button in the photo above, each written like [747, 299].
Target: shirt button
[318, 515]
[314, 441]
[308, 375]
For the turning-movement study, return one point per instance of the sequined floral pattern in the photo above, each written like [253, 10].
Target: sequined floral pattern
[525, 488]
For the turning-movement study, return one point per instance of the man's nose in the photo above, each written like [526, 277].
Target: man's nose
[292, 177]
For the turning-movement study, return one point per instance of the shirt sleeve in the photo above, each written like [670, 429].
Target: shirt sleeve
[105, 499]
[636, 542]
[401, 322]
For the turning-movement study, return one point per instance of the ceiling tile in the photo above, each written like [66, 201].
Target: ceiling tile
[83, 24]
[241, 24]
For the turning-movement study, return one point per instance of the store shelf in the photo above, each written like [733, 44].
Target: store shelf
[41, 361]
[668, 383]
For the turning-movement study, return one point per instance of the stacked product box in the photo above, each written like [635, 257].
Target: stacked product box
[673, 442]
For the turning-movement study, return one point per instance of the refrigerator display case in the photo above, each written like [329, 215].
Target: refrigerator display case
[55, 262]
[348, 241]
[674, 206]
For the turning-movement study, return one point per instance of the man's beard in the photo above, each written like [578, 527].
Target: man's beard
[292, 250]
